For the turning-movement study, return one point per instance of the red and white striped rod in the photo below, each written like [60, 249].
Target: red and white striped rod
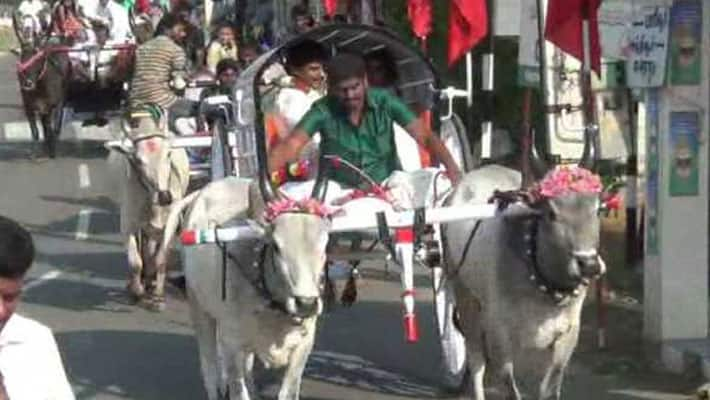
[192, 237]
[404, 249]
[361, 221]
[350, 223]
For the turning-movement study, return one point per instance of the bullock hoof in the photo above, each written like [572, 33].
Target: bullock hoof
[155, 303]
[136, 291]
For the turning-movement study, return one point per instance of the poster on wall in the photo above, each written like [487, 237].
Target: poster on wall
[646, 46]
[652, 171]
[686, 39]
[684, 174]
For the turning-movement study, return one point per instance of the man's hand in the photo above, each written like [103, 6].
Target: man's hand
[437, 148]
[454, 175]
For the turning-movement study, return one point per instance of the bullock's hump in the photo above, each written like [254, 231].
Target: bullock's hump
[477, 186]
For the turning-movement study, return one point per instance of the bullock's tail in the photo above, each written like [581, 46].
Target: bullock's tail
[171, 225]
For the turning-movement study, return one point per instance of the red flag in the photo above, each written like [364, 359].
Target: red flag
[564, 28]
[331, 7]
[419, 12]
[468, 24]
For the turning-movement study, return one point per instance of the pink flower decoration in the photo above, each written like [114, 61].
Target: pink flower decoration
[564, 180]
[304, 206]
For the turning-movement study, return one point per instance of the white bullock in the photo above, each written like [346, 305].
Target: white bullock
[265, 301]
[150, 176]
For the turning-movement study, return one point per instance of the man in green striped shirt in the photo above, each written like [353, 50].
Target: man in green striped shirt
[161, 71]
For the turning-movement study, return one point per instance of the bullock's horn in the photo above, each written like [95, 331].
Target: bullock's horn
[321, 185]
[538, 165]
[589, 153]
[15, 27]
[132, 21]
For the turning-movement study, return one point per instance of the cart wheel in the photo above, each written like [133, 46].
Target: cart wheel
[453, 133]
[221, 161]
[451, 341]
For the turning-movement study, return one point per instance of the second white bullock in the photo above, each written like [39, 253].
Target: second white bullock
[257, 298]
[149, 175]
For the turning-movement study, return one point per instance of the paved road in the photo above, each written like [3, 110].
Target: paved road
[115, 350]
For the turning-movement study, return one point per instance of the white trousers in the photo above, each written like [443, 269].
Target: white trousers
[420, 188]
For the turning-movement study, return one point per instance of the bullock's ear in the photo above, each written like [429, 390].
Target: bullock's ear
[120, 146]
[518, 212]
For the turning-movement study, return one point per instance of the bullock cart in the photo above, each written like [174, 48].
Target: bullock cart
[55, 77]
[406, 238]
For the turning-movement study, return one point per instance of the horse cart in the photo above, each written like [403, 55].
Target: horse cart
[406, 238]
[56, 76]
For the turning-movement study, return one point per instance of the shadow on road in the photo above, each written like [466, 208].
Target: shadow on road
[78, 149]
[102, 222]
[103, 204]
[132, 365]
[80, 296]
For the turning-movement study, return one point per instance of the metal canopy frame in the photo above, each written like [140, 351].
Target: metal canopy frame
[417, 81]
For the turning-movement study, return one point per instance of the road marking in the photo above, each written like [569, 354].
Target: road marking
[46, 277]
[84, 181]
[354, 371]
[17, 131]
[73, 277]
[82, 225]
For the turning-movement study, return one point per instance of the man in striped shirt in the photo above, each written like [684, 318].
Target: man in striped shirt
[161, 70]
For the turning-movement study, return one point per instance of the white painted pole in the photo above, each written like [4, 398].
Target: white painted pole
[488, 83]
[469, 79]
[546, 84]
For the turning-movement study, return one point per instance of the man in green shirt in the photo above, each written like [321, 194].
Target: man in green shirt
[356, 123]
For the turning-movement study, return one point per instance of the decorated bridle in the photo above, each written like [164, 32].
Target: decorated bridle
[24, 66]
[257, 273]
[164, 198]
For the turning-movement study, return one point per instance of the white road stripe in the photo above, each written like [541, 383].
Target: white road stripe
[17, 131]
[82, 225]
[47, 276]
[74, 277]
[84, 181]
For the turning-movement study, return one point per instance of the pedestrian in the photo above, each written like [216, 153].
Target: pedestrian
[30, 363]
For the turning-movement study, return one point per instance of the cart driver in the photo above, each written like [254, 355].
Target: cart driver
[356, 123]
[161, 70]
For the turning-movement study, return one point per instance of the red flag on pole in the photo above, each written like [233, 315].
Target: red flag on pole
[564, 28]
[331, 7]
[468, 24]
[419, 12]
